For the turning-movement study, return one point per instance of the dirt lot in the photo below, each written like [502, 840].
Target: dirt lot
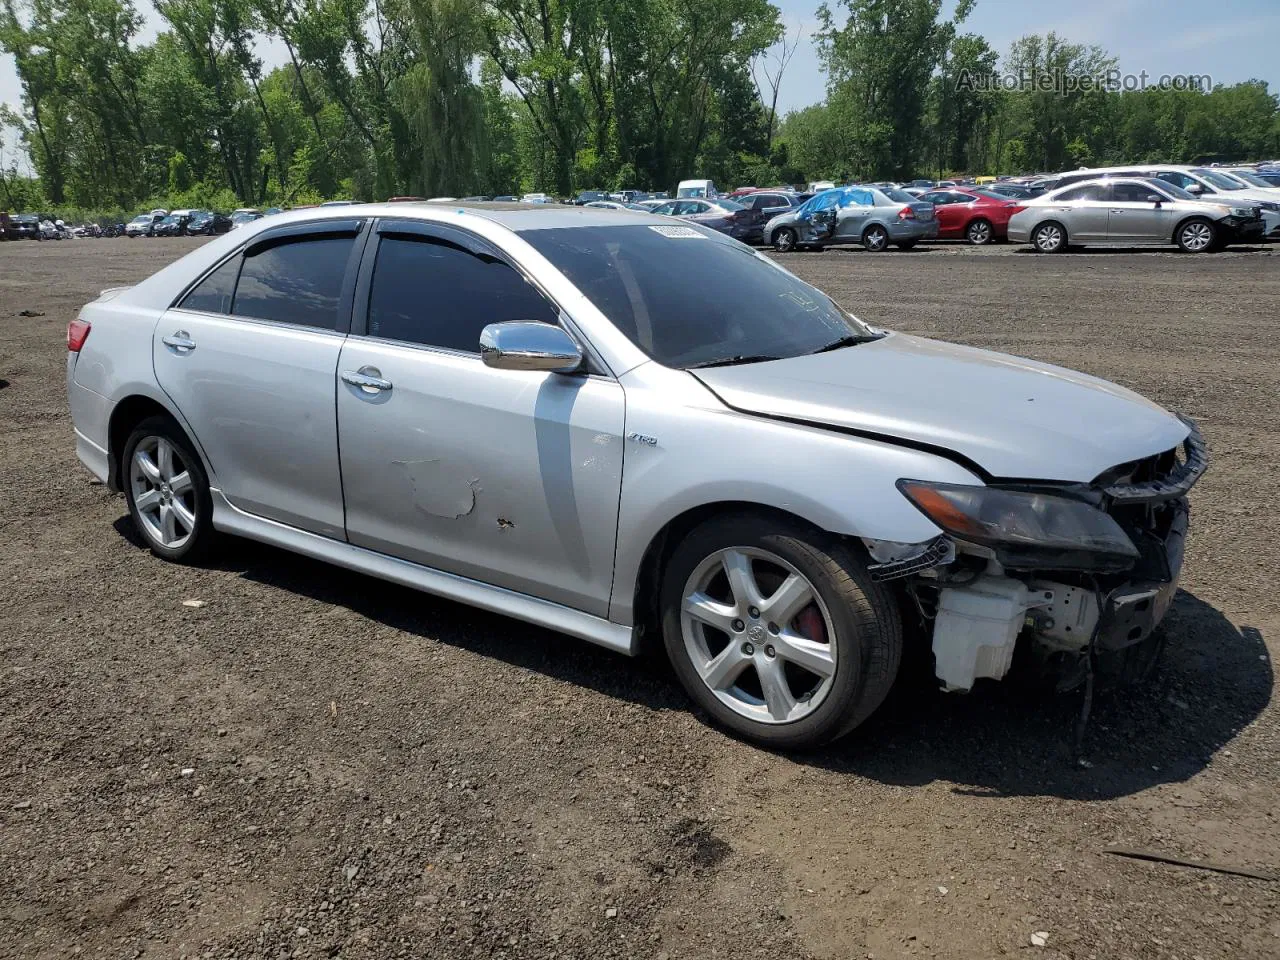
[317, 764]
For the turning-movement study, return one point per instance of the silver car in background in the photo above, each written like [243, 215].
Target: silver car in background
[625, 426]
[1132, 211]
[875, 217]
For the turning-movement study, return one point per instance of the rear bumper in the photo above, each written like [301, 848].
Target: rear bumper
[912, 230]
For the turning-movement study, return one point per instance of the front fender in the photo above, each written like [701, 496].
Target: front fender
[692, 451]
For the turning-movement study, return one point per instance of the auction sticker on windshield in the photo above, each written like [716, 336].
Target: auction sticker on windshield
[678, 233]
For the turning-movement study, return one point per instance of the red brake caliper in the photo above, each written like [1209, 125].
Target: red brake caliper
[810, 624]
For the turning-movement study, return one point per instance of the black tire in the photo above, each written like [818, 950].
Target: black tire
[907, 245]
[865, 620]
[875, 239]
[980, 232]
[200, 540]
[785, 240]
[1049, 237]
[1197, 235]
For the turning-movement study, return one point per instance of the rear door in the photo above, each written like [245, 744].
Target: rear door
[856, 207]
[951, 210]
[510, 477]
[249, 356]
[1084, 211]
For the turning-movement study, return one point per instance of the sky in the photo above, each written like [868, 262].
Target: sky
[1230, 40]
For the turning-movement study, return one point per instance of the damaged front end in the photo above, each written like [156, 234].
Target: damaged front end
[1077, 570]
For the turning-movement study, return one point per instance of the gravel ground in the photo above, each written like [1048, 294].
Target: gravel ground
[312, 763]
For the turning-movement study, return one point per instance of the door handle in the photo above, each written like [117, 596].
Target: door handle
[180, 340]
[1117, 211]
[367, 379]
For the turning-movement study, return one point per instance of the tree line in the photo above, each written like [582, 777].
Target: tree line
[377, 98]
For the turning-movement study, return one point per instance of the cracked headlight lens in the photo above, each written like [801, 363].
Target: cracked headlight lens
[1026, 529]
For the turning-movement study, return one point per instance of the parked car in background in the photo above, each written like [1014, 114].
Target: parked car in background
[615, 205]
[143, 224]
[506, 198]
[652, 203]
[616, 506]
[23, 226]
[244, 215]
[1014, 191]
[1202, 182]
[174, 225]
[725, 216]
[207, 223]
[1270, 177]
[588, 196]
[871, 216]
[972, 214]
[1132, 211]
[770, 203]
[817, 186]
[535, 198]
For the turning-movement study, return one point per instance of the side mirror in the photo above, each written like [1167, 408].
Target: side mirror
[1194, 188]
[1155, 198]
[529, 345]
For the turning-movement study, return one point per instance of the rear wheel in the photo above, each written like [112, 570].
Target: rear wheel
[776, 630]
[784, 241]
[1049, 237]
[1197, 236]
[167, 490]
[875, 238]
[979, 233]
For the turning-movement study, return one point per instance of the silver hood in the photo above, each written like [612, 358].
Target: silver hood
[1014, 418]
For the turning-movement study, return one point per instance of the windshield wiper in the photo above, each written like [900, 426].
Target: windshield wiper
[731, 361]
[852, 340]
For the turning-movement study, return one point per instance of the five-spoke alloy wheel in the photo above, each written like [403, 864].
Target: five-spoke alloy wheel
[167, 490]
[776, 630]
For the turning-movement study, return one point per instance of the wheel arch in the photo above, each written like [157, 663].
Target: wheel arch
[1173, 238]
[1066, 233]
[646, 616]
[128, 412]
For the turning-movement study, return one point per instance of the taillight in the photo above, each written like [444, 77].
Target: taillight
[1016, 208]
[77, 334]
[906, 213]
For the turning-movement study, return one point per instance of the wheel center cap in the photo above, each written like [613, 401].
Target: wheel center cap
[756, 633]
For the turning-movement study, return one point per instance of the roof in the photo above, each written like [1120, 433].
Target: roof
[513, 216]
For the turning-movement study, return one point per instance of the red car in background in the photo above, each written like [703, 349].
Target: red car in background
[972, 214]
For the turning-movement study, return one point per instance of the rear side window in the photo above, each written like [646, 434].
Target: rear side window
[213, 294]
[1131, 192]
[299, 283]
[431, 292]
[1090, 191]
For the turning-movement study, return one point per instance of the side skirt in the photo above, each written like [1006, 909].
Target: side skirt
[228, 518]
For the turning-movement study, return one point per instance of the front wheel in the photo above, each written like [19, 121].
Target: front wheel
[785, 240]
[875, 238]
[1197, 236]
[167, 491]
[776, 630]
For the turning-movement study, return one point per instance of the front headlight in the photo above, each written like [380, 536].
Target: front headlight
[1027, 530]
[1242, 211]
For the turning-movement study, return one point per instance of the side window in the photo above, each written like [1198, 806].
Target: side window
[1130, 192]
[859, 198]
[937, 198]
[213, 294]
[434, 293]
[1090, 191]
[666, 209]
[299, 282]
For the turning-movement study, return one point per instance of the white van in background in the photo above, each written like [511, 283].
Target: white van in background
[706, 189]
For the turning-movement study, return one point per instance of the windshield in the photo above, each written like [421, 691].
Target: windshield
[729, 205]
[142, 218]
[687, 297]
[1220, 180]
[1250, 178]
[898, 196]
[685, 193]
[243, 217]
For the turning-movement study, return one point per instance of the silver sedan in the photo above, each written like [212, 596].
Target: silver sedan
[625, 426]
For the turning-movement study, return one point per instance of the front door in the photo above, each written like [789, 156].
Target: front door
[507, 477]
[1134, 218]
[248, 357]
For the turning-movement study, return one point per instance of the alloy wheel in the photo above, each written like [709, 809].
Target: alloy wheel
[1197, 236]
[1048, 238]
[876, 239]
[758, 635]
[979, 232]
[163, 492]
[785, 241]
